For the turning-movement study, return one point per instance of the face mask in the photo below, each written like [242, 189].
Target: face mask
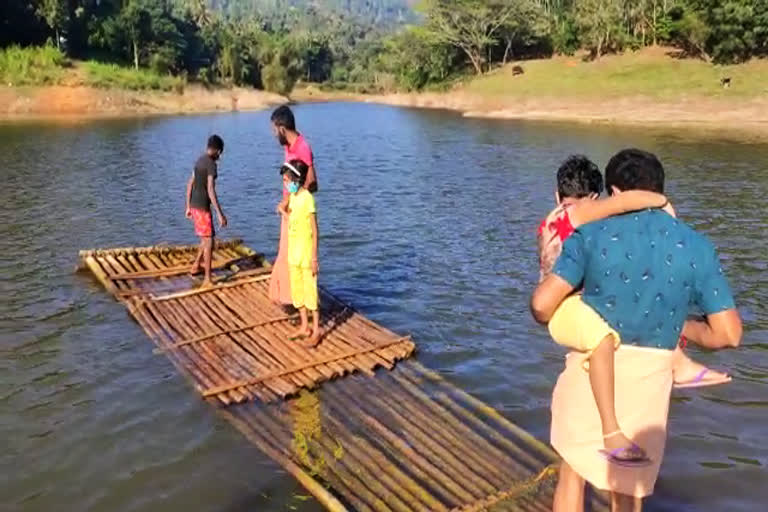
[292, 187]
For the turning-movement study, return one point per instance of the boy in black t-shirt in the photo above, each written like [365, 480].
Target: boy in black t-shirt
[201, 192]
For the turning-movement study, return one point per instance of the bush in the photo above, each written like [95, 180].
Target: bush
[277, 79]
[111, 75]
[41, 65]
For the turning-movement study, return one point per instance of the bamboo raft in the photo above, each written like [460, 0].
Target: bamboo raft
[231, 340]
[405, 440]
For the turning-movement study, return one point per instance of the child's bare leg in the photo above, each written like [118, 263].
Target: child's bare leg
[601, 377]
[196, 265]
[687, 370]
[315, 338]
[303, 329]
[207, 250]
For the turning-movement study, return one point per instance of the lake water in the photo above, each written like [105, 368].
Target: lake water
[427, 225]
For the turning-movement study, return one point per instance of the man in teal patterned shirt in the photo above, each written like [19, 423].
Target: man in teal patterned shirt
[641, 272]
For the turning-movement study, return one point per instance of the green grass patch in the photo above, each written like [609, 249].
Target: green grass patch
[633, 74]
[42, 65]
[112, 76]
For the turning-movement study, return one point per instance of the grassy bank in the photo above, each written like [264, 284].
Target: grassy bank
[42, 82]
[651, 73]
[46, 65]
[649, 87]
[31, 66]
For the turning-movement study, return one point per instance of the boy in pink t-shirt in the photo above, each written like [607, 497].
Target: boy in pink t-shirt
[295, 145]
[296, 148]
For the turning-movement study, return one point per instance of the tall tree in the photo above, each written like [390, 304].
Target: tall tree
[600, 23]
[56, 15]
[469, 25]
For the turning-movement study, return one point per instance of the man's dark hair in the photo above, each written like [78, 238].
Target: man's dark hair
[634, 169]
[578, 177]
[216, 143]
[299, 166]
[283, 117]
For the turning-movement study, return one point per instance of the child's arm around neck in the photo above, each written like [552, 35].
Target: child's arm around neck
[590, 210]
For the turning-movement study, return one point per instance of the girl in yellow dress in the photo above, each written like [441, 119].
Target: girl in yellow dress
[302, 249]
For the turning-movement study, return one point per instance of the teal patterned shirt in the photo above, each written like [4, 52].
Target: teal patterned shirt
[643, 272]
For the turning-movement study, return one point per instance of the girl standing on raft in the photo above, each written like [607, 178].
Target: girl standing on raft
[296, 148]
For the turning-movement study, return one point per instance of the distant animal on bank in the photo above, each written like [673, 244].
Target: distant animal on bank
[517, 70]
[725, 82]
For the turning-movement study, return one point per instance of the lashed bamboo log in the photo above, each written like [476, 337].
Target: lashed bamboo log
[329, 359]
[489, 450]
[255, 359]
[310, 484]
[197, 291]
[419, 371]
[358, 493]
[208, 336]
[270, 339]
[159, 248]
[488, 462]
[425, 444]
[176, 270]
[377, 462]
[397, 449]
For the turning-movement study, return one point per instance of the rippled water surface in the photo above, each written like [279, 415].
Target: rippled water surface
[427, 224]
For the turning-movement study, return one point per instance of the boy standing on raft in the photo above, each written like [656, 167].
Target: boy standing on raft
[302, 248]
[296, 148]
[201, 192]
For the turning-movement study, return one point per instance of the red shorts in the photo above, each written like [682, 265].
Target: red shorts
[203, 222]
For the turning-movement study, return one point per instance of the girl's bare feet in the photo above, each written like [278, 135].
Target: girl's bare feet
[314, 339]
[301, 332]
[207, 283]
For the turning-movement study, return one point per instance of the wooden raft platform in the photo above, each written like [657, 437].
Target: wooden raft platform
[404, 440]
[231, 340]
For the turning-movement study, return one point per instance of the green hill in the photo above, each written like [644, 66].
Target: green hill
[373, 11]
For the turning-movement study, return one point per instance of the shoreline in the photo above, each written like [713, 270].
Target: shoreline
[741, 118]
[65, 103]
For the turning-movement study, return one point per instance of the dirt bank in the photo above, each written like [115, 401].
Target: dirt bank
[733, 117]
[81, 101]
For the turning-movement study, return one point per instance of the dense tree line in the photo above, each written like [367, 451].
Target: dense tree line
[376, 43]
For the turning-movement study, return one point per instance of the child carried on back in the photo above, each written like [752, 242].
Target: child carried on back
[575, 324]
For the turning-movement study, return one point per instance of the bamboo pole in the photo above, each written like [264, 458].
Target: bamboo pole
[330, 502]
[173, 271]
[280, 331]
[208, 336]
[424, 443]
[256, 358]
[196, 368]
[490, 451]
[329, 359]
[436, 468]
[358, 493]
[268, 340]
[236, 361]
[100, 275]
[419, 371]
[495, 435]
[488, 464]
[401, 483]
[197, 291]
[159, 248]
[396, 448]
[187, 327]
